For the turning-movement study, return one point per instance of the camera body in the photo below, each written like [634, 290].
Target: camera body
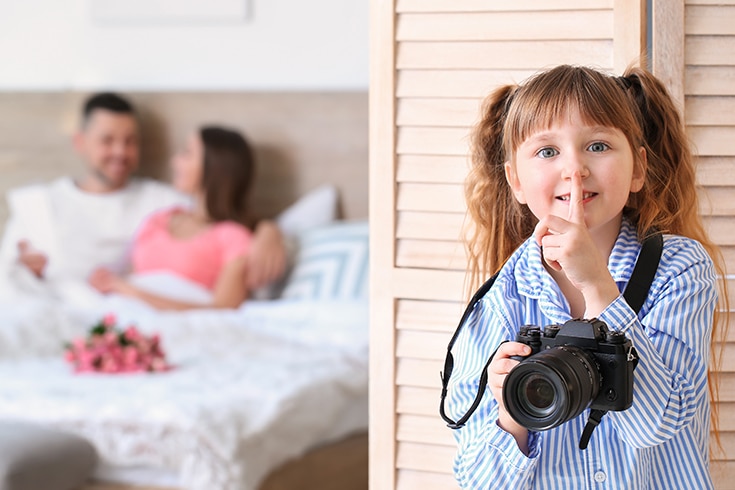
[572, 366]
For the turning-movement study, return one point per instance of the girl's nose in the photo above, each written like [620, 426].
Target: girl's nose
[575, 162]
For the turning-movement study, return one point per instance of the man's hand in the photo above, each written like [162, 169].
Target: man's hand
[266, 261]
[32, 259]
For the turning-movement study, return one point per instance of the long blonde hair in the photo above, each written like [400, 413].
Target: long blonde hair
[637, 104]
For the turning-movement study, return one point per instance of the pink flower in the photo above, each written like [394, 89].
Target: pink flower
[109, 350]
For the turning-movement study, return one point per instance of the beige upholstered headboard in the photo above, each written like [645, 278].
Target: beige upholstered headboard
[301, 140]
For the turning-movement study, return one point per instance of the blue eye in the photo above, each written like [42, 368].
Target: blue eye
[547, 153]
[598, 147]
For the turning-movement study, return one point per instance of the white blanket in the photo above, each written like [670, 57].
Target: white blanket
[251, 388]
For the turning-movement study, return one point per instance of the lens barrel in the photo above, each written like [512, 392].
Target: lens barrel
[551, 387]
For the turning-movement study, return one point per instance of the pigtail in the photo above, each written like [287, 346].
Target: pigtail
[669, 200]
[497, 217]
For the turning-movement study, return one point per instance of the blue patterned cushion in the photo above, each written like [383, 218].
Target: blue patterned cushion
[331, 263]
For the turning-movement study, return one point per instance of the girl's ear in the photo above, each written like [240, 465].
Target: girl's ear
[515, 184]
[639, 171]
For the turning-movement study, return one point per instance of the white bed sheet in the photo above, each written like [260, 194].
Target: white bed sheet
[251, 388]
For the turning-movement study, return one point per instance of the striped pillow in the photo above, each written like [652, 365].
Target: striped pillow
[331, 263]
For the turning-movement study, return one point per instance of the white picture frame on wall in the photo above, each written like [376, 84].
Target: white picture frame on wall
[169, 11]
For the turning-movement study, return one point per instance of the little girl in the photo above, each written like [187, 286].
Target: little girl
[206, 244]
[571, 170]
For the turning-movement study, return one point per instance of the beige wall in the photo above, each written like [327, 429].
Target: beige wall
[301, 139]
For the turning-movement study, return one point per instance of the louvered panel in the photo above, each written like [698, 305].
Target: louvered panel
[728, 443]
[710, 80]
[713, 141]
[717, 201]
[721, 230]
[710, 111]
[728, 253]
[438, 316]
[727, 422]
[432, 168]
[710, 2]
[431, 197]
[715, 171]
[505, 26]
[710, 20]
[418, 480]
[728, 357]
[426, 429]
[727, 389]
[723, 474]
[426, 284]
[512, 55]
[418, 401]
[455, 83]
[430, 226]
[421, 345]
[433, 254]
[418, 373]
[425, 457]
[709, 50]
[433, 141]
[485, 6]
[438, 112]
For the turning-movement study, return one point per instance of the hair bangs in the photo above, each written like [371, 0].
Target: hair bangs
[549, 97]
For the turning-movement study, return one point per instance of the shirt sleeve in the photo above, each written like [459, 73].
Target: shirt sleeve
[487, 456]
[234, 240]
[672, 339]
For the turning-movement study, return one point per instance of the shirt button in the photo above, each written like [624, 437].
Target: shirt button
[600, 476]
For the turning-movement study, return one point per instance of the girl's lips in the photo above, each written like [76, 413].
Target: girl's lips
[585, 196]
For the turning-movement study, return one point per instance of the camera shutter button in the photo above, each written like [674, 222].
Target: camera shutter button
[615, 337]
[600, 476]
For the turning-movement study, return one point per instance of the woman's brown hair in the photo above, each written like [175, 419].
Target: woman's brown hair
[227, 174]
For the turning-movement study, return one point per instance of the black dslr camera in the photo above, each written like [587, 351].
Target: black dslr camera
[572, 366]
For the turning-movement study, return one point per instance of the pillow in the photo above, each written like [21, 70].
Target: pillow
[37, 458]
[317, 208]
[331, 263]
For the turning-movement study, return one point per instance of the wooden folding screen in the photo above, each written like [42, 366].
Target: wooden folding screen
[432, 62]
[694, 51]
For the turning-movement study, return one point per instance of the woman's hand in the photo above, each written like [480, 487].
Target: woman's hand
[266, 261]
[106, 282]
[496, 373]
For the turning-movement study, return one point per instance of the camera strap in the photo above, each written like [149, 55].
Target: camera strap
[635, 295]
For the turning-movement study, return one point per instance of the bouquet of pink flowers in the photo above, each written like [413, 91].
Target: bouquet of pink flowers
[107, 349]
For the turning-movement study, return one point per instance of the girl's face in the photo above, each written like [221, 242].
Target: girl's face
[188, 165]
[541, 173]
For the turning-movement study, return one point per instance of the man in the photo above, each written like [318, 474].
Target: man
[65, 229]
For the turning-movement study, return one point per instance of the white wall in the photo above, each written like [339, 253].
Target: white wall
[286, 45]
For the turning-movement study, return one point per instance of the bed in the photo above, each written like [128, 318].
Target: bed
[262, 397]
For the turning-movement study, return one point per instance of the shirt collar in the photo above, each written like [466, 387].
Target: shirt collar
[534, 281]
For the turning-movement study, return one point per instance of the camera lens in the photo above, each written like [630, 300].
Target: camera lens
[551, 387]
[538, 396]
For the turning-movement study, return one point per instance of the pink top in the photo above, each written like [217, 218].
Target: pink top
[199, 258]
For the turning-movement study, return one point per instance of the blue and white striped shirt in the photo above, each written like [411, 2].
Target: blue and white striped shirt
[661, 442]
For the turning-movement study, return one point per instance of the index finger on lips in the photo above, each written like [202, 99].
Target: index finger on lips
[576, 205]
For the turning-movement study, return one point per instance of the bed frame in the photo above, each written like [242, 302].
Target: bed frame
[342, 465]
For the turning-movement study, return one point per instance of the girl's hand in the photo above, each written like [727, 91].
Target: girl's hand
[568, 247]
[34, 260]
[496, 373]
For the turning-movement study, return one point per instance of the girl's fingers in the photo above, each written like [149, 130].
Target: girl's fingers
[576, 204]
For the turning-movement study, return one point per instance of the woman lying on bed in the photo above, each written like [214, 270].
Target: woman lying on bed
[205, 245]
